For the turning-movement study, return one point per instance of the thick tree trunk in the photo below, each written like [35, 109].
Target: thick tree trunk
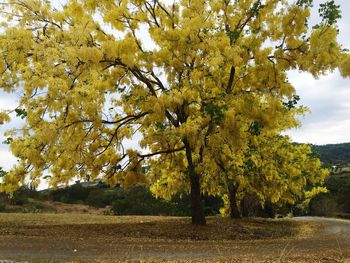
[234, 211]
[198, 217]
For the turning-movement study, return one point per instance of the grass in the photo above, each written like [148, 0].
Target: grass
[99, 238]
[152, 227]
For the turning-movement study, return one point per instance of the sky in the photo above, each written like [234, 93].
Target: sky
[328, 98]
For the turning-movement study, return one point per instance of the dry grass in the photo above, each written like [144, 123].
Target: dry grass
[90, 237]
[36, 206]
[151, 227]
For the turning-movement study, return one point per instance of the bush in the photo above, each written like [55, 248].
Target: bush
[339, 189]
[182, 203]
[97, 198]
[2, 206]
[134, 200]
[323, 205]
[72, 195]
[20, 197]
[337, 198]
[138, 200]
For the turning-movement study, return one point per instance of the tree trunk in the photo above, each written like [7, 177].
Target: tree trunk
[268, 209]
[243, 207]
[234, 211]
[198, 217]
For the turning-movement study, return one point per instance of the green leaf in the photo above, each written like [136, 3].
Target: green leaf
[21, 113]
[330, 12]
[160, 126]
[2, 172]
[215, 111]
[257, 6]
[304, 3]
[8, 140]
[292, 103]
[255, 128]
[234, 35]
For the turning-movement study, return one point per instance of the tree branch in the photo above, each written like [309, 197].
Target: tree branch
[161, 152]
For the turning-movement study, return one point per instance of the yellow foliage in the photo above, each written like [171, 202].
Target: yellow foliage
[345, 66]
[4, 117]
[198, 80]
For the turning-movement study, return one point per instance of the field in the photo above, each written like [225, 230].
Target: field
[98, 238]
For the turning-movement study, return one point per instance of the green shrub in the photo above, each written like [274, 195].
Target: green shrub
[337, 198]
[20, 197]
[182, 204]
[339, 189]
[138, 200]
[71, 194]
[2, 206]
[323, 205]
[97, 198]
[102, 185]
[44, 195]
[134, 200]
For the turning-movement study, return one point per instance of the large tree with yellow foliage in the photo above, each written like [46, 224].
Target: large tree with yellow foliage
[93, 73]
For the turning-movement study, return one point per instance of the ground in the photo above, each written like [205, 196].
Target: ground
[89, 237]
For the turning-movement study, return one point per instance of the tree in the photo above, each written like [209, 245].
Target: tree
[267, 165]
[2, 172]
[92, 73]
[275, 171]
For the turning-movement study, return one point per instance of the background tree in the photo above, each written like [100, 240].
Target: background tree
[88, 81]
[2, 172]
[276, 171]
[267, 165]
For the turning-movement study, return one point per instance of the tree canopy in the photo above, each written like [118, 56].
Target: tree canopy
[194, 78]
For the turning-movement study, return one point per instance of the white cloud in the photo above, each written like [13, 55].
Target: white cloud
[329, 101]
[328, 97]
[322, 132]
[7, 101]
[7, 160]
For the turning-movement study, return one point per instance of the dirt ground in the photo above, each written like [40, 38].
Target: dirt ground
[99, 238]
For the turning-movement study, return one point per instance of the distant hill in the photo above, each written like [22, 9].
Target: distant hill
[335, 154]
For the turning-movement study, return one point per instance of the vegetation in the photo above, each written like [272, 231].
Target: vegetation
[334, 154]
[2, 172]
[214, 78]
[336, 201]
[133, 200]
[274, 170]
[138, 200]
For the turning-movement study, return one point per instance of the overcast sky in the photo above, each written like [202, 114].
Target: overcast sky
[328, 98]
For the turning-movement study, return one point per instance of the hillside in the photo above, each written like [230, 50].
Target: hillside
[336, 154]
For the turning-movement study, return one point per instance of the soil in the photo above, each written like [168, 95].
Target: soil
[99, 238]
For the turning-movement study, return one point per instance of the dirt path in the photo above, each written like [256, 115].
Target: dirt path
[338, 228]
[321, 240]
